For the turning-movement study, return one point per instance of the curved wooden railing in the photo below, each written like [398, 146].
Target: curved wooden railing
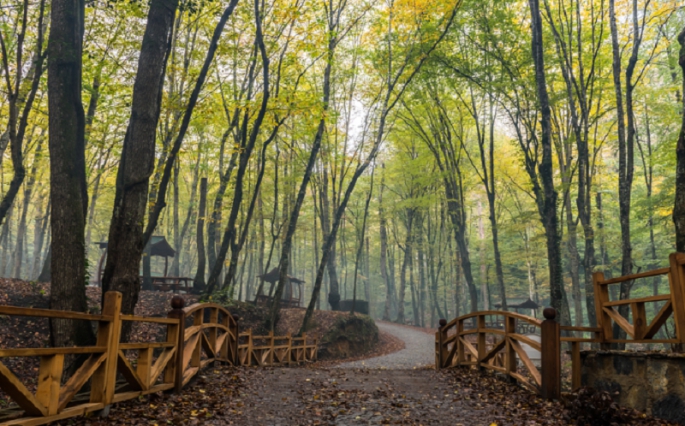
[213, 336]
[192, 338]
[473, 340]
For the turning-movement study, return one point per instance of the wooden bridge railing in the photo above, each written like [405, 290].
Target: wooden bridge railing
[194, 337]
[275, 350]
[460, 344]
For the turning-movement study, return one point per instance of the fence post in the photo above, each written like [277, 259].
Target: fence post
[236, 341]
[177, 305]
[551, 355]
[439, 351]
[104, 379]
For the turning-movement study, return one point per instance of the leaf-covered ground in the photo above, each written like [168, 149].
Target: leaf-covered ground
[320, 396]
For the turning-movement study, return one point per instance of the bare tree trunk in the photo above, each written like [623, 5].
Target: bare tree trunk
[68, 188]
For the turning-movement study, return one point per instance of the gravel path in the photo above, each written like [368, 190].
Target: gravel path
[418, 351]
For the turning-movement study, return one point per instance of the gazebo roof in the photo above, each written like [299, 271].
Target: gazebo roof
[272, 276]
[159, 246]
[527, 304]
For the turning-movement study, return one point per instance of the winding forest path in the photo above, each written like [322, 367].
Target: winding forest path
[417, 350]
[398, 388]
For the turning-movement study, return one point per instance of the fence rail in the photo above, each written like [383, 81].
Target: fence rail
[195, 337]
[501, 349]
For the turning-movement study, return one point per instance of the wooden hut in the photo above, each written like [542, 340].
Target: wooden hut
[158, 247]
[292, 293]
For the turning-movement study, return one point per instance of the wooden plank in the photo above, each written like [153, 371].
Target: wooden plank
[220, 342]
[523, 356]
[5, 353]
[125, 396]
[676, 281]
[525, 382]
[160, 363]
[601, 297]
[189, 374]
[584, 329]
[620, 321]
[78, 410]
[49, 380]
[76, 382]
[190, 331]
[50, 313]
[16, 390]
[575, 366]
[152, 345]
[105, 377]
[467, 345]
[639, 319]
[188, 349]
[143, 369]
[126, 370]
[491, 354]
[657, 298]
[208, 346]
[527, 340]
[659, 320]
[646, 274]
[157, 320]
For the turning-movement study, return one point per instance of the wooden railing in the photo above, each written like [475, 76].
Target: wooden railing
[640, 330]
[275, 350]
[194, 337]
[461, 344]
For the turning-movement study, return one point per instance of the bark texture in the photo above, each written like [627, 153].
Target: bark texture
[68, 188]
[126, 240]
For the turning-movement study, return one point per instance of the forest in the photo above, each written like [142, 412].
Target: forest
[431, 158]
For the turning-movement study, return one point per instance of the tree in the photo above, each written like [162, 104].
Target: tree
[547, 196]
[126, 240]
[68, 190]
[679, 208]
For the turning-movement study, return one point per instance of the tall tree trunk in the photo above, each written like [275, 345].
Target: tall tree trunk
[28, 192]
[679, 205]
[547, 206]
[407, 259]
[389, 288]
[199, 281]
[126, 240]
[230, 232]
[314, 152]
[68, 188]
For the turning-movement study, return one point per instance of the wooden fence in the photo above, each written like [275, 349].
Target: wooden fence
[195, 337]
[472, 340]
[275, 350]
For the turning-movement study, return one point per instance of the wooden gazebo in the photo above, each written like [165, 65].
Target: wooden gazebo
[158, 247]
[292, 293]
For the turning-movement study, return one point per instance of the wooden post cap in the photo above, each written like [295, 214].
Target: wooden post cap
[177, 302]
[549, 313]
[236, 317]
[442, 322]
